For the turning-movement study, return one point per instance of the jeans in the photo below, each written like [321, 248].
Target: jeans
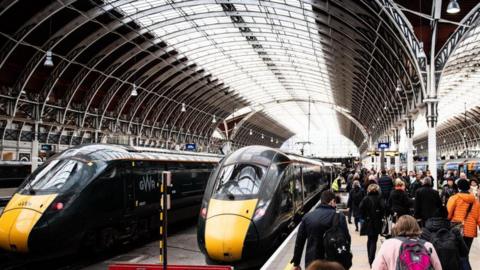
[372, 247]
[357, 221]
[466, 261]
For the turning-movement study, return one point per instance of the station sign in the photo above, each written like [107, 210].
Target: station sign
[46, 147]
[383, 145]
[190, 147]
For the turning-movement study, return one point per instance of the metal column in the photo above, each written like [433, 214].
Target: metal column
[34, 155]
[409, 129]
[432, 102]
[396, 139]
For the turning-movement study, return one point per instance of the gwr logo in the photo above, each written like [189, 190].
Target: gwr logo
[147, 183]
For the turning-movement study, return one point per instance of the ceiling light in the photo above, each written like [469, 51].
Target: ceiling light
[48, 59]
[276, 141]
[271, 139]
[444, 141]
[421, 51]
[134, 92]
[183, 108]
[214, 119]
[399, 87]
[263, 136]
[250, 132]
[453, 7]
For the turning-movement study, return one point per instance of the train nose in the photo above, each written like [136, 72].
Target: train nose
[18, 219]
[15, 226]
[225, 237]
[227, 228]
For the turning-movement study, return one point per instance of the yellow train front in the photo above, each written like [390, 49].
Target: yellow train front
[253, 200]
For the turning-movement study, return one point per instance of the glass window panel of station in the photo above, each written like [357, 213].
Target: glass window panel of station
[288, 36]
[460, 80]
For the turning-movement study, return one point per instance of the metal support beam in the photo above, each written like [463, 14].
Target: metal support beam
[409, 130]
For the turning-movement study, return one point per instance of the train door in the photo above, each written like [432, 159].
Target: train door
[129, 187]
[286, 195]
[297, 189]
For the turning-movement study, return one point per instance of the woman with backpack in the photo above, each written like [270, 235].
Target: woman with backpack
[354, 199]
[396, 253]
[448, 242]
[372, 209]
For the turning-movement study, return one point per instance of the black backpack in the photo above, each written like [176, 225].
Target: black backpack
[445, 243]
[336, 245]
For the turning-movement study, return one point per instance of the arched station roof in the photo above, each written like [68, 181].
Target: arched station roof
[212, 56]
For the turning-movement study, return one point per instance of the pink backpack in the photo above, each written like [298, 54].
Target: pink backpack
[413, 255]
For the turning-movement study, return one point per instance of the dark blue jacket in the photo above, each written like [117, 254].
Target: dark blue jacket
[386, 185]
[313, 227]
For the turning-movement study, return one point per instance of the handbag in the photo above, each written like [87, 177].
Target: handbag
[386, 226]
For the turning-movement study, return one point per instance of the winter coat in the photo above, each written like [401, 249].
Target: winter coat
[312, 228]
[354, 199]
[399, 203]
[372, 209]
[457, 209]
[427, 202]
[447, 192]
[449, 261]
[386, 258]
[413, 187]
[386, 185]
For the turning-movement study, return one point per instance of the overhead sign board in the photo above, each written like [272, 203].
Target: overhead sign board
[190, 147]
[383, 145]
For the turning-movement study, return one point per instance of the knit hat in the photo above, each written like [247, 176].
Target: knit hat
[463, 185]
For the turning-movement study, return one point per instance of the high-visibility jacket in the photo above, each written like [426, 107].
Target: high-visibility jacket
[336, 185]
[457, 206]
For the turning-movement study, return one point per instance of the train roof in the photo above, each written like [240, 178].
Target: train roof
[107, 152]
[264, 155]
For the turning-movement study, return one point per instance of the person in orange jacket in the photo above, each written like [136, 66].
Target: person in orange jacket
[458, 205]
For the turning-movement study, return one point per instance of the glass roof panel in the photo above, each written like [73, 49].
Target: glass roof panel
[265, 52]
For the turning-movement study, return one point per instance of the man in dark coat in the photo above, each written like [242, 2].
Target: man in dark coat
[313, 227]
[448, 242]
[427, 201]
[386, 185]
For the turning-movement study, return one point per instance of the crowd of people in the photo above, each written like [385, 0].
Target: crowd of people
[424, 228]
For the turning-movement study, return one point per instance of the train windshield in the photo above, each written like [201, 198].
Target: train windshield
[239, 180]
[61, 175]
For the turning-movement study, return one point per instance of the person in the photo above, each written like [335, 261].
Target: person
[386, 185]
[462, 176]
[406, 232]
[372, 209]
[464, 210]
[337, 183]
[355, 177]
[427, 201]
[414, 185]
[354, 199]
[312, 228]
[325, 265]
[398, 202]
[370, 180]
[406, 179]
[448, 242]
[448, 190]
[474, 187]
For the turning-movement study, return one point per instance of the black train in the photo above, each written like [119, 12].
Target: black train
[99, 195]
[253, 199]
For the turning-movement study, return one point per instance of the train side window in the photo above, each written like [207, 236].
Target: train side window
[286, 203]
[110, 173]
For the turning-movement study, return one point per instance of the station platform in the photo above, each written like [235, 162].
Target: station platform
[281, 258]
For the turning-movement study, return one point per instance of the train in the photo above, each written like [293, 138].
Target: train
[469, 166]
[97, 196]
[253, 199]
[13, 173]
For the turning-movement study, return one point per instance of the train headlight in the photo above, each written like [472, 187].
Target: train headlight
[260, 212]
[58, 206]
[203, 212]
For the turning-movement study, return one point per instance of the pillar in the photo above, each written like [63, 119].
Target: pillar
[396, 139]
[382, 159]
[409, 129]
[432, 114]
[34, 155]
[389, 163]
